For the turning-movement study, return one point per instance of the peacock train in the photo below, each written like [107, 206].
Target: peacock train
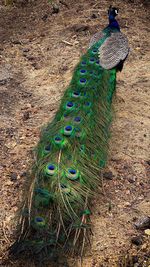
[71, 152]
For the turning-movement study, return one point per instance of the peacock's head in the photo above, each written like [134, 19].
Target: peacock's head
[112, 12]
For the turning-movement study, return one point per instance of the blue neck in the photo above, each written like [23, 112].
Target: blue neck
[113, 23]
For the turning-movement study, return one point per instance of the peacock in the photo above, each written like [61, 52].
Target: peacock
[71, 153]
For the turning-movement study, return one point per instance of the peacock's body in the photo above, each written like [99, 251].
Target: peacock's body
[71, 152]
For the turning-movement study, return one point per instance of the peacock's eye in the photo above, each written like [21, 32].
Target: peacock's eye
[76, 94]
[57, 138]
[72, 172]
[82, 81]
[77, 119]
[68, 128]
[92, 60]
[95, 50]
[51, 167]
[82, 71]
[70, 104]
[83, 63]
[47, 148]
[39, 219]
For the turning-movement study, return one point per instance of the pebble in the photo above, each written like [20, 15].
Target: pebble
[26, 115]
[13, 176]
[143, 223]
[135, 259]
[137, 240]
[147, 232]
[137, 265]
[3, 82]
[16, 42]
[23, 174]
[80, 27]
[25, 50]
[31, 58]
[94, 16]
[55, 9]
[108, 175]
[148, 162]
[131, 180]
[44, 18]
[36, 66]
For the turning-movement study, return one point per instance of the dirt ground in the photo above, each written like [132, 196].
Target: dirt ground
[39, 49]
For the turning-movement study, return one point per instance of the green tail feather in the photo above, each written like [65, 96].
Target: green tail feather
[72, 150]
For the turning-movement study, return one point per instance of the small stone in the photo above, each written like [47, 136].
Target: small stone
[137, 240]
[25, 50]
[31, 58]
[3, 82]
[137, 265]
[127, 204]
[26, 115]
[28, 105]
[16, 42]
[80, 28]
[11, 144]
[55, 9]
[143, 223]
[13, 177]
[94, 16]
[36, 66]
[44, 18]
[131, 180]
[25, 41]
[147, 231]
[23, 174]
[108, 175]
[135, 259]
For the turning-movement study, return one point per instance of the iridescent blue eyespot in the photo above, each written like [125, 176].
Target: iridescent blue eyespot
[92, 60]
[82, 71]
[83, 81]
[72, 174]
[83, 63]
[70, 104]
[68, 128]
[77, 119]
[39, 219]
[76, 94]
[97, 62]
[58, 138]
[94, 50]
[72, 171]
[51, 167]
